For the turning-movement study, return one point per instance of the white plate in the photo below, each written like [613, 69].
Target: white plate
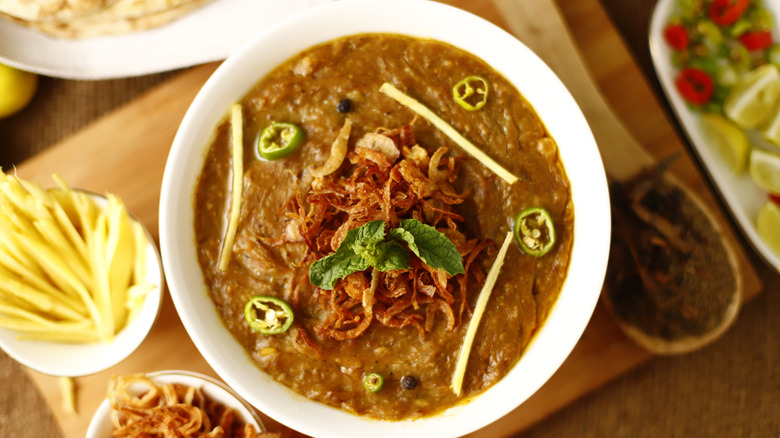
[207, 34]
[740, 194]
[102, 426]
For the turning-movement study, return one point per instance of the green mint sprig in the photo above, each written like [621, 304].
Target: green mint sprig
[367, 246]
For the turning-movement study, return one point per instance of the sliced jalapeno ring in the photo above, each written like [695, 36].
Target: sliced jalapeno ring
[534, 231]
[471, 93]
[268, 315]
[373, 382]
[279, 140]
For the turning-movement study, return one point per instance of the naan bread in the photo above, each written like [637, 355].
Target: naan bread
[121, 16]
[35, 10]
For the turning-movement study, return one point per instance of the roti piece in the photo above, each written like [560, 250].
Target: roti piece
[122, 16]
[36, 10]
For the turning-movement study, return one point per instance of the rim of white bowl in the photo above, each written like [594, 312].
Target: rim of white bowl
[552, 102]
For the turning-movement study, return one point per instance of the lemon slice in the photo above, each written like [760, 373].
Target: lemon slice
[728, 139]
[765, 170]
[770, 131]
[768, 225]
[753, 99]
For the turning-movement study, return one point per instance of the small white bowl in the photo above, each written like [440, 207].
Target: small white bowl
[101, 425]
[535, 81]
[81, 359]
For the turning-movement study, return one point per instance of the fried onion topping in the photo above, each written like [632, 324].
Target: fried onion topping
[382, 184]
[142, 408]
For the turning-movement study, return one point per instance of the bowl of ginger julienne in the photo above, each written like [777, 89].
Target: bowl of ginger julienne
[81, 278]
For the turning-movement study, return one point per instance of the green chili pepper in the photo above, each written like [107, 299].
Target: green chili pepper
[268, 315]
[534, 231]
[279, 140]
[467, 93]
[373, 382]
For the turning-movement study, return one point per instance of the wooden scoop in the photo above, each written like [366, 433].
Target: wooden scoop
[623, 158]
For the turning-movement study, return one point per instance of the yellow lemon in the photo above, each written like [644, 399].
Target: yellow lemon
[768, 225]
[728, 139]
[17, 88]
[770, 131]
[753, 98]
[765, 170]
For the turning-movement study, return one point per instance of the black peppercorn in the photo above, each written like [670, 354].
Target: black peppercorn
[409, 382]
[344, 106]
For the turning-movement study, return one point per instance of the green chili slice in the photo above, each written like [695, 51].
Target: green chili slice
[534, 231]
[471, 93]
[268, 315]
[279, 140]
[373, 382]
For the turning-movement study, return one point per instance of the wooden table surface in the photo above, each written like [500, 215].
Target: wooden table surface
[611, 88]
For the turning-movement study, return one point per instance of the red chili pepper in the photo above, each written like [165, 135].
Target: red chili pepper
[676, 36]
[695, 85]
[774, 198]
[727, 12]
[756, 40]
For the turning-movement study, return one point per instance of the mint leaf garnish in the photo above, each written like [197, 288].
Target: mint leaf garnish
[373, 231]
[362, 248]
[367, 240]
[366, 246]
[393, 256]
[326, 271]
[431, 246]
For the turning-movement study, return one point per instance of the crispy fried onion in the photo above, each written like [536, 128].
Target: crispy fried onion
[383, 184]
[142, 408]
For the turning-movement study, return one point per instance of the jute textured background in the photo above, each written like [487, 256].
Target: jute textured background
[730, 389]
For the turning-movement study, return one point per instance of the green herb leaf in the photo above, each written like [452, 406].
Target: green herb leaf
[366, 241]
[326, 271]
[365, 246]
[373, 231]
[393, 256]
[433, 247]
[357, 252]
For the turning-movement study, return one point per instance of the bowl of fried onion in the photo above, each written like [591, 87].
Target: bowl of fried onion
[174, 403]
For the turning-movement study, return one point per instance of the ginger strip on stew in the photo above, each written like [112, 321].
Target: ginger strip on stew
[237, 125]
[445, 127]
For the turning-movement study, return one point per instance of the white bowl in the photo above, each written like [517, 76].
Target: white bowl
[101, 425]
[556, 108]
[81, 359]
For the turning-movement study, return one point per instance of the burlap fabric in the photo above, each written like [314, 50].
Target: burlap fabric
[729, 389]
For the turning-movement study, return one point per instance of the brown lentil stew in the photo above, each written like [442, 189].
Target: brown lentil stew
[316, 90]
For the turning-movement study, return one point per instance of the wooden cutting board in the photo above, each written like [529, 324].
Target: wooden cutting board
[125, 153]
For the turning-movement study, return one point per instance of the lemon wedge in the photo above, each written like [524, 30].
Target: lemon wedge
[754, 97]
[770, 131]
[768, 225]
[728, 139]
[765, 170]
[17, 88]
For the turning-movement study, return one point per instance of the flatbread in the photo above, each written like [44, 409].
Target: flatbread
[121, 16]
[36, 10]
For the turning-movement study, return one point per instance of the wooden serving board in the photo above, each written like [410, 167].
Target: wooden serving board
[125, 153]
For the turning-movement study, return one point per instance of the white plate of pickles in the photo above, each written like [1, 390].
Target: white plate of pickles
[718, 62]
